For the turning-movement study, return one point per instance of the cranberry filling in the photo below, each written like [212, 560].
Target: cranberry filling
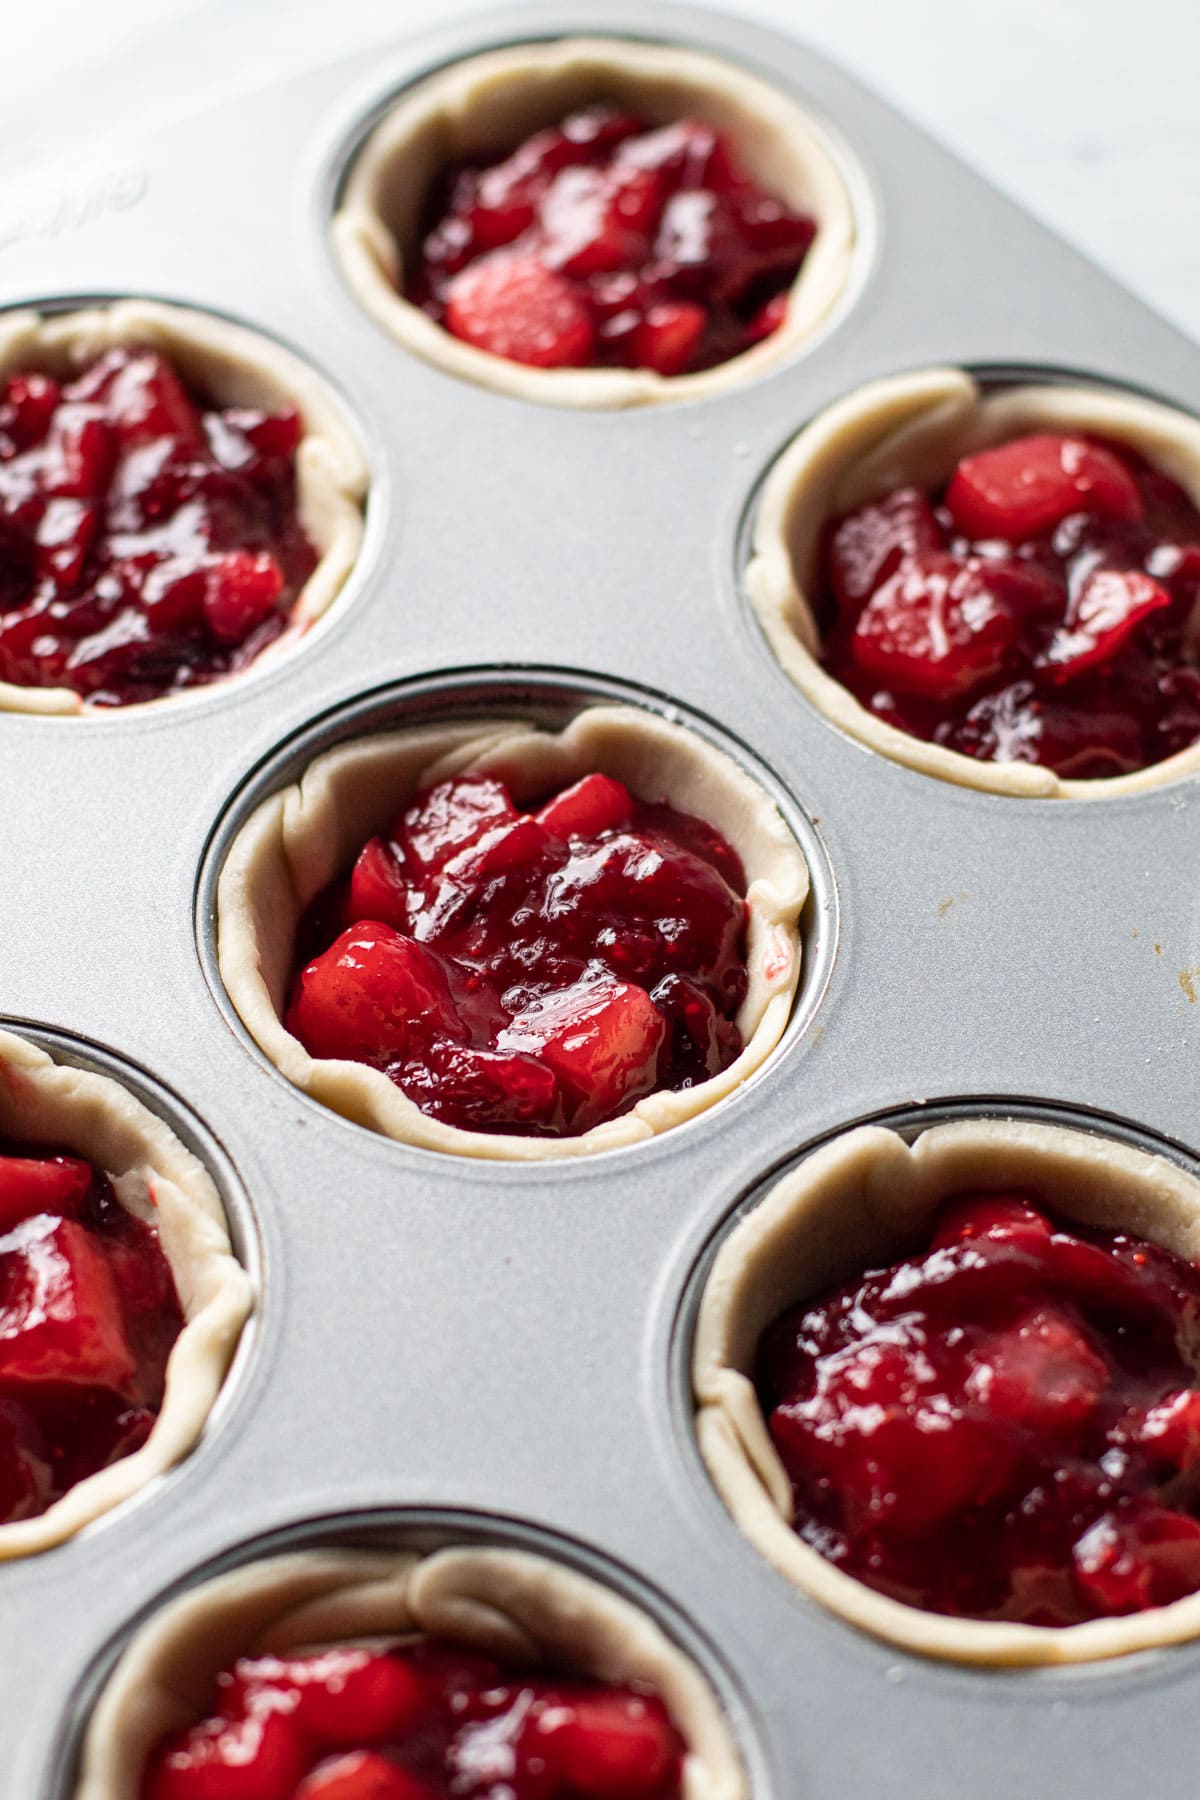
[148, 542]
[1038, 610]
[88, 1314]
[1003, 1427]
[529, 972]
[603, 243]
[427, 1720]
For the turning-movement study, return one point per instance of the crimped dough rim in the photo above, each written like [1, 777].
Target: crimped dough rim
[491, 101]
[237, 367]
[157, 1179]
[913, 429]
[866, 1199]
[294, 843]
[511, 1603]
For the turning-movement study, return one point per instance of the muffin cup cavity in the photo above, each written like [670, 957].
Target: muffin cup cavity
[513, 1604]
[158, 1180]
[234, 366]
[911, 430]
[862, 1201]
[489, 103]
[296, 841]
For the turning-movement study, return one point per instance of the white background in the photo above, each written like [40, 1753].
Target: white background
[1087, 111]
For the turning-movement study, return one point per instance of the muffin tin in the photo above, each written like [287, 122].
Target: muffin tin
[499, 1353]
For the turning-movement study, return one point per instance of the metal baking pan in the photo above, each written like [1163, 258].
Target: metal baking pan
[501, 1350]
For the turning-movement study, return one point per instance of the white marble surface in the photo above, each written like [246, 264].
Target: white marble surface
[1087, 111]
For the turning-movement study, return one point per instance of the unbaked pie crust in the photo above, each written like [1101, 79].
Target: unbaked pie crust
[296, 842]
[158, 1180]
[509, 1603]
[231, 366]
[490, 103]
[864, 1201]
[911, 430]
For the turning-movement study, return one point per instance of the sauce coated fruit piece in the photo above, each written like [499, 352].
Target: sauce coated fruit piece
[423, 1721]
[148, 541]
[41, 1184]
[602, 243]
[88, 1314]
[1020, 490]
[610, 1746]
[938, 627]
[342, 1697]
[599, 1038]
[257, 1757]
[362, 1775]
[517, 308]
[1003, 1426]
[1041, 610]
[531, 972]
[62, 1314]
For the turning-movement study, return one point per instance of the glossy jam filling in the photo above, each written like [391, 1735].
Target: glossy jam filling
[149, 542]
[1003, 1427]
[1041, 609]
[427, 1720]
[88, 1315]
[529, 972]
[602, 243]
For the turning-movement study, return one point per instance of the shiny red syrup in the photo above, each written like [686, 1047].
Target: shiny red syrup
[601, 243]
[1004, 1426]
[1039, 610]
[427, 1720]
[529, 972]
[88, 1315]
[149, 543]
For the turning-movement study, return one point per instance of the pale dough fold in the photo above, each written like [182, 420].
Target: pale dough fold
[509, 1603]
[486, 106]
[864, 1201]
[911, 430]
[296, 842]
[155, 1178]
[231, 366]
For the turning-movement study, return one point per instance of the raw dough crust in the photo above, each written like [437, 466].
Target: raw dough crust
[864, 1201]
[911, 430]
[297, 841]
[156, 1179]
[510, 1603]
[490, 103]
[236, 367]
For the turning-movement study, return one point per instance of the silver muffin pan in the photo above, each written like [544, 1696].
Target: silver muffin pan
[501, 1350]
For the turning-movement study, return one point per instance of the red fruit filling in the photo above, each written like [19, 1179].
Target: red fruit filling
[148, 541]
[88, 1314]
[427, 1720]
[1005, 1426]
[1040, 609]
[529, 972]
[603, 243]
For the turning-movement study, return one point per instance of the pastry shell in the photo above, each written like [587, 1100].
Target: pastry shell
[158, 1180]
[509, 1603]
[492, 102]
[862, 1201]
[234, 367]
[911, 430]
[297, 841]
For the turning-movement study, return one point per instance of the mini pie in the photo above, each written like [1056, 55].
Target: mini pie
[863, 1201]
[155, 1178]
[910, 432]
[234, 367]
[490, 103]
[510, 1604]
[296, 842]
